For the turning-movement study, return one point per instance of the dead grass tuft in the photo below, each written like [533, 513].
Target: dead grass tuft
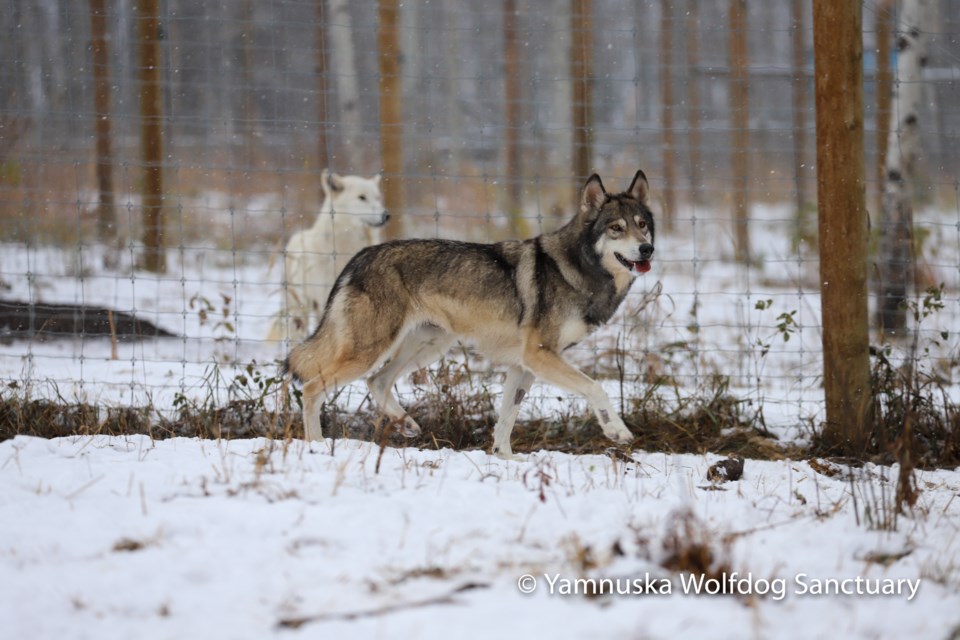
[690, 547]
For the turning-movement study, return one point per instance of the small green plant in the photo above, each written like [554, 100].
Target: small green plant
[786, 326]
[253, 385]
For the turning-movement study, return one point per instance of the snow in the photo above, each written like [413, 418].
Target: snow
[110, 537]
[127, 537]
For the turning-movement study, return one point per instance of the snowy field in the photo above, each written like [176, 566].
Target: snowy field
[127, 538]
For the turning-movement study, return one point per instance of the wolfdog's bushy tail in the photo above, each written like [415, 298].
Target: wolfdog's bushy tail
[307, 358]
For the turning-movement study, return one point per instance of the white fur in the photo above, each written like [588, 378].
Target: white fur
[351, 218]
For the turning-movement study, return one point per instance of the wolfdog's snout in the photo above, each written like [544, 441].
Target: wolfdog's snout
[646, 250]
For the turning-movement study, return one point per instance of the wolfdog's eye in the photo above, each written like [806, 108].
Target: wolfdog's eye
[363, 197]
[617, 227]
[642, 224]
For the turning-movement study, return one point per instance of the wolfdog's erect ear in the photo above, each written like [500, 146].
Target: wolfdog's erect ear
[331, 182]
[639, 188]
[593, 194]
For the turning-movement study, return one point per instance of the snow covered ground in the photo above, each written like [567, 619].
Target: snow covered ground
[124, 537]
[127, 537]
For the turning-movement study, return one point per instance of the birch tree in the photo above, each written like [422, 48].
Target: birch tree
[895, 259]
[348, 91]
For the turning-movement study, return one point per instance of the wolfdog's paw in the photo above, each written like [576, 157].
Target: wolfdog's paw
[618, 433]
[505, 453]
[409, 428]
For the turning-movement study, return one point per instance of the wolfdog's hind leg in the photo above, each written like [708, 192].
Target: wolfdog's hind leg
[317, 389]
[515, 387]
[417, 349]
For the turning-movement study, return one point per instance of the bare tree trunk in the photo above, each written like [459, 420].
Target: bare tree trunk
[581, 74]
[739, 122]
[248, 97]
[348, 91]
[450, 74]
[558, 136]
[841, 194]
[151, 135]
[799, 108]
[895, 260]
[323, 91]
[693, 100]
[884, 89]
[391, 114]
[518, 226]
[106, 211]
[666, 111]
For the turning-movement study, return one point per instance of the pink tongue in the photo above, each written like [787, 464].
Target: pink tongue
[642, 267]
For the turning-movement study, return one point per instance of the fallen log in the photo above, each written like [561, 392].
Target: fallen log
[46, 320]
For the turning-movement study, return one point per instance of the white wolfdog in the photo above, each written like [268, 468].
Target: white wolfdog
[400, 305]
[350, 219]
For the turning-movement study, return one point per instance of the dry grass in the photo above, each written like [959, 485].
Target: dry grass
[53, 419]
[915, 421]
[453, 407]
[457, 410]
[689, 547]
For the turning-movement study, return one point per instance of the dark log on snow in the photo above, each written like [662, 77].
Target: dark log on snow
[44, 321]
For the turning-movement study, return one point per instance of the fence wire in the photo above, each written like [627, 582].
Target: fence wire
[258, 98]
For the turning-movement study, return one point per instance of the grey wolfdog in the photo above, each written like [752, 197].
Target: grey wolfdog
[399, 306]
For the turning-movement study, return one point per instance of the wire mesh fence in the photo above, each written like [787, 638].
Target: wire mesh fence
[156, 158]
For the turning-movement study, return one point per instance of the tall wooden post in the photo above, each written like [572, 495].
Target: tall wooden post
[151, 135]
[740, 124]
[106, 212]
[666, 121]
[693, 100]
[514, 180]
[581, 76]
[842, 213]
[320, 38]
[391, 114]
[884, 90]
[799, 106]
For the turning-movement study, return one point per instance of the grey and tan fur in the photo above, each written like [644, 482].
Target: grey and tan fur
[399, 306]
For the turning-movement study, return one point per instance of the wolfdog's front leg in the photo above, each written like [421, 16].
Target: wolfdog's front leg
[515, 387]
[549, 366]
[314, 393]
